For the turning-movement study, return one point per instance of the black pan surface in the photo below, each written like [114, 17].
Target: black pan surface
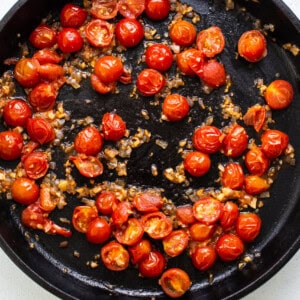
[57, 270]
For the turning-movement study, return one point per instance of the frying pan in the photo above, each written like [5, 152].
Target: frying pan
[58, 271]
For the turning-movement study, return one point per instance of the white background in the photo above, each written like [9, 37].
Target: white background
[14, 284]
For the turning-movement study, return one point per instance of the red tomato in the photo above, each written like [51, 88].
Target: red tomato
[28, 148]
[203, 257]
[159, 57]
[99, 33]
[121, 213]
[175, 107]
[131, 8]
[274, 142]
[88, 166]
[207, 139]
[256, 117]
[150, 82]
[211, 41]
[40, 130]
[184, 215]
[279, 94]
[157, 10]
[200, 232]
[43, 36]
[183, 33]
[255, 185]
[51, 72]
[114, 256]
[176, 242]
[157, 225]
[25, 191]
[235, 142]
[130, 233]
[233, 176]
[113, 127]
[27, 72]
[229, 215]
[213, 73]
[175, 282]
[46, 202]
[98, 231]
[105, 202]
[129, 32]
[183, 60]
[147, 202]
[196, 62]
[248, 226]
[256, 161]
[153, 265]
[72, 15]
[88, 141]
[16, 113]
[36, 165]
[83, 216]
[140, 251]
[101, 87]
[207, 210]
[69, 40]
[197, 163]
[45, 56]
[229, 247]
[252, 46]
[104, 9]
[11, 144]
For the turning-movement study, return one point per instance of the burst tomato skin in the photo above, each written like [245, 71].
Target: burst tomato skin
[40, 130]
[69, 40]
[256, 117]
[197, 163]
[213, 73]
[131, 8]
[150, 82]
[256, 161]
[203, 257]
[130, 233]
[153, 265]
[140, 251]
[229, 215]
[51, 72]
[105, 202]
[147, 202]
[175, 107]
[159, 57]
[248, 226]
[25, 191]
[255, 185]
[11, 144]
[113, 127]
[183, 33]
[98, 231]
[72, 15]
[104, 10]
[26, 72]
[176, 242]
[45, 56]
[200, 232]
[101, 87]
[183, 61]
[121, 213]
[88, 166]
[157, 10]
[43, 36]
[82, 217]
[36, 165]
[233, 176]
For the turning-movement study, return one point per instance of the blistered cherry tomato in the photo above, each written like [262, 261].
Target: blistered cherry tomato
[105, 202]
[175, 282]
[252, 46]
[147, 202]
[196, 63]
[16, 113]
[28, 148]
[159, 57]
[255, 185]
[233, 176]
[184, 215]
[248, 226]
[43, 36]
[183, 33]
[113, 127]
[197, 163]
[279, 94]
[72, 15]
[150, 82]
[130, 233]
[203, 257]
[98, 231]
[114, 256]
[11, 144]
[45, 56]
[51, 72]
[207, 210]
[131, 8]
[153, 265]
[213, 73]
[25, 191]
[229, 247]
[88, 141]
[200, 232]
[26, 72]
[183, 61]
[175, 107]
[101, 87]
[121, 213]
[176, 242]
[36, 165]
[256, 161]
[256, 117]
[88, 166]
[157, 10]
[211, 41]
[140, 251]
[229, 215]
[40, 130]
[104, 9]
[69, 40]
[83, 216]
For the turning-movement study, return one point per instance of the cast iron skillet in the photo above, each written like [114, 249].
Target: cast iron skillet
[67, 277]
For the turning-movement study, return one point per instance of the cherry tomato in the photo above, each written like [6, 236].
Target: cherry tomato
[11, 144]
[252, 46]
[147, 202]
[175, 282]
[43, 36]
[235, 142]
[274, 142]
[46, 201]
[207, 210]
[28, 148]
[36, 165]
[129, 32]
[256, 161]
[69, 40]
[153, 265]
[207, 139]
[25, 191]
[88, 166]
[83, 216]
[233, 176]
[256, 117]
[279, 94]
[88, 141]
[157, 225]
[121, 213]
[157, 10]
[183, 33]
[255, 185]
[45, 56]
[159, 57]
[175, 107]
[203, 257]
[248, 226]
[213, 73]
[150, 82]
[105, 202]
[229, 247]
[229, 215]
[184, 215]
[99, 33]
[104, 9]
[183, 60]
[200, 232]
[26, 72]
[101, 87]
[196, 63]
[176, 242]
[130, 233]
[72, 15]
[113, 127]
[131, 8]
[16, 113]
[140, 251]
[197, 163]
[114, 256]
[40, 130]
[51, 72]
[211, 41]
[98, 231]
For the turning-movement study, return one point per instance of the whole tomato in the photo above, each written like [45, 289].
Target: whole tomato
[153, 265]
[183, 33]
[248, 226]
[98, 231]
[157, 10]
[113, 127]
[69, 40]
[150, 82]
[43, 36]
[159, 57]
[256, 161]
[197, 163]
[25, 191]
[26, 72]
[203, 257]
[72, 15]
[233, 176]
[175, 107]
[11, 145]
